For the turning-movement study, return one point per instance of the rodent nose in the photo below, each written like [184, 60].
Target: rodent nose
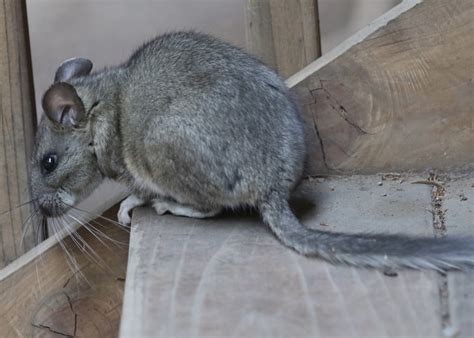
[45, 211]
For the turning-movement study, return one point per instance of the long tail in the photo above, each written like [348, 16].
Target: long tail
[367, 250]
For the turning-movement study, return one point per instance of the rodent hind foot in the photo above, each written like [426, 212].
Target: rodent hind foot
[177, 209]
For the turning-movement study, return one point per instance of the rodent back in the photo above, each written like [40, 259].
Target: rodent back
[232, 110]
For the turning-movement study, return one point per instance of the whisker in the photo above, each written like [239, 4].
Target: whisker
[116, 242]
[38, 280]
[17, 206]
[43, 230]
[99, 232]
[41, 254]
[92, 254]
[70, 259]
[28, 222]
[79, 242]
[100, 216]
[71, 234]
[88, 227]
[56, 229]
[37, 230]
[36, 225]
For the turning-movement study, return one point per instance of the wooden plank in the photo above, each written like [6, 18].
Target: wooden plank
[458, 210]
[461, 304]
[284, 34]
[396, 96]
[42, 296]
[229, 276]
[16, 128]
[259, 31]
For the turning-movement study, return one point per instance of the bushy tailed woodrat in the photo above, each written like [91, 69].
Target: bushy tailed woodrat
[193, 125]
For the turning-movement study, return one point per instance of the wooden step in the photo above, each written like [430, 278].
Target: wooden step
[229, 276]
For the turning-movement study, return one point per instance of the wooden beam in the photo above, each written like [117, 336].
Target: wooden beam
[396, 96]
[284, 34]
[17, 121]
[41, 295]
[230, 277]
[461, 303]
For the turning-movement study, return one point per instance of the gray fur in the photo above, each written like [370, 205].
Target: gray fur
[367, 250]
[192, 121]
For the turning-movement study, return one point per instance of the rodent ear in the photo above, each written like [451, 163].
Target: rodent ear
[72, 68]
[62, 105]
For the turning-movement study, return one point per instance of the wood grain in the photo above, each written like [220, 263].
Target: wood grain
[229, 276]
[284, 34]
[397, 99]
[17, 121]
[458, 209]
[461, 303]
[46, 298]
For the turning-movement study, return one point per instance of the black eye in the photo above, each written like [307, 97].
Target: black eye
[49, 162]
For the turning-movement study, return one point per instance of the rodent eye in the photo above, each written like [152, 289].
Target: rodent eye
[49, 162]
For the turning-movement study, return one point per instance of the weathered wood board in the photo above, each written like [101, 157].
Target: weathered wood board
[284, 34]
[17, 121]
[228, 276]
[44, 297]
[397, 96]
[461, 294]
[458, 210]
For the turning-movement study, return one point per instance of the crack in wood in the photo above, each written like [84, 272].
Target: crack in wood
[45, 327]
[437, 196]
[49, 328]
[439, 228]
[73, 311]
[321, 143]
[339, 109]
[74, 275]
[443, 292]
[318, 134]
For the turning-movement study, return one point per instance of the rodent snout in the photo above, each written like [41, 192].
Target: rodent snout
[52, 205]
[48, 205]
[45, 210]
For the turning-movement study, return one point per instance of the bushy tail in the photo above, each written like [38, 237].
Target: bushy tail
[367, 250]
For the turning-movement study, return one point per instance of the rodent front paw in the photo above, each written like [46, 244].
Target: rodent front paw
[124, 217]
[126, 207]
